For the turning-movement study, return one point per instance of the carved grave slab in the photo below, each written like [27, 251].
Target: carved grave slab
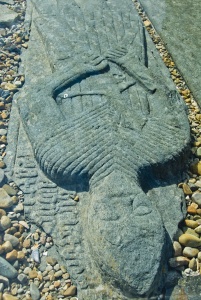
[99, 117]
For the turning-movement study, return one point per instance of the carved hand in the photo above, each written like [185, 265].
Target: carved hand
[93, 63]
[119, 55]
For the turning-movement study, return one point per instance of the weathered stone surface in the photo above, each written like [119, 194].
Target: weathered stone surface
[7, 16]
[93, 122]
[173, 22]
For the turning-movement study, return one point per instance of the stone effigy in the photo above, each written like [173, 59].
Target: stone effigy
[99, 117]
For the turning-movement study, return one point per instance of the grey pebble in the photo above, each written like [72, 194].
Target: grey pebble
[6, 269]
[20, 291]
[2, 175]
[27, 270]
[35, 293]
[11, 238]
[57, 267]
[49, 268]
[3, 131]
[22, 278]
[4, 280]
[196, 197]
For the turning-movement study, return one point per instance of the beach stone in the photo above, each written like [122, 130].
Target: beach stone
[189, 240]
[193, 264]
[2, 164]
[191, 209]
[198, 229]
[178, 261]
[35, 293]
[20, 255]
[22, 278]
[58, 274]
[177, 248]
[7, 16]
[5, 199]
[71, 291]
[4, 281]
[5, 222]
[191, 231]
[187, 189]
[196, 168]
[9, 190]
[9, 297]
[191, 224]
[11, 238]
[199, 256]
[19, 208]
[33, 274]
[2, 212]
[7, 246]
[11, 256]
[26, 243]
[196, 197]
[6, 269]
[190, 252]
[50, 260]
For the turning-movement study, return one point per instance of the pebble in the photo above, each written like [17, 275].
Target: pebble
[189, 240]
[196, 168]
[11, 238]
[71, 291]
[9, 297]
[5, 223]
[11, 256]
[2, 211]
[6, 269]
[10, 191]
[50, 260]
[2, 166]
[22, 278]
[191, 224]
[58, 274]
[190, 252]
[198, 229]
[196, 197]
[191, 231]
[5, 199]
[4, 280]
[7, 247]
[19, 208]
[33, 274]
[193, 264]
[187, 189]
[35, 293]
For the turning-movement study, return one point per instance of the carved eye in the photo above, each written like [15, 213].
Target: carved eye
[119, 76]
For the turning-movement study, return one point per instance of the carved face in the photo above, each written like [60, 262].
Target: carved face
[125, 230]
